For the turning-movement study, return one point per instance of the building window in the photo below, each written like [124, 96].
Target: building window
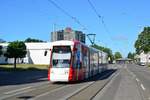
[59, 36]
[45, 53]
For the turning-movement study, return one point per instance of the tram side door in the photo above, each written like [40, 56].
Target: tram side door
[88, 64]
[77, 62]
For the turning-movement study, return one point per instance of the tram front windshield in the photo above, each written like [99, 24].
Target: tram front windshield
[61, 56]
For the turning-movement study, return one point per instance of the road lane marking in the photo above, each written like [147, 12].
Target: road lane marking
[143, 87]
[17, 90]
[110, 82]
[32, 88]
[46, 93]
[137, 80]
[131, 73]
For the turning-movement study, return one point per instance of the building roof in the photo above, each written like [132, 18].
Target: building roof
[35, 45]
[123, 59]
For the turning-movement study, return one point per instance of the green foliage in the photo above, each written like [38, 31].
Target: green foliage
[24, 67]
[131, 55]
[117, 55]
[32, 40]
[16, 49]
[106, 50]
[143, 41]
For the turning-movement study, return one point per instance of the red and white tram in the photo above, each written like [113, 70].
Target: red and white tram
[73, 61]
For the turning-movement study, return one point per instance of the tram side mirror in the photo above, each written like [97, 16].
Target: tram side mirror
[45, 53]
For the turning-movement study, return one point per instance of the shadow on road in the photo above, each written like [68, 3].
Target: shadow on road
[102, 76]
[33, 76]
[22, 77]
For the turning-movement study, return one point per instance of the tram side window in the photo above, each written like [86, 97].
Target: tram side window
[84, 62]
[91, 60]
[74, 61]
[95, 59]
[84, 58]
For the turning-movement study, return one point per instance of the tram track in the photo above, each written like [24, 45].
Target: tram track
[71, 90]
[89, 92]
[30, 91]
[56, 91]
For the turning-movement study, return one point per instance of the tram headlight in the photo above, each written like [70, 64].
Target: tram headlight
[66, 72]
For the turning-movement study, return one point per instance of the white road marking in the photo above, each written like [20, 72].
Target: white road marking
[143, 87]
[17, 90]
[46, 93]
[137, 80]
[21, 90]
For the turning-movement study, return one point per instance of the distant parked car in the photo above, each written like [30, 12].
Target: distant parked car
[142, 63]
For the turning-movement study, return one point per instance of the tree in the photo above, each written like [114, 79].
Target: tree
[1, 52]
[106, 50]
[16, 49]
[117, 55]
[131, 55]
[33, 40]
[142, 44]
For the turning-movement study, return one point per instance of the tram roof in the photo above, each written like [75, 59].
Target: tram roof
[68, 42]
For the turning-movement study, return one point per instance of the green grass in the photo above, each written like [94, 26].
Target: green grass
[149, 65]
[23, 67]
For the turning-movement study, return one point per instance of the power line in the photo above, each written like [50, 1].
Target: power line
[94, 9]
[75, 19]
[67, 14]
[100, 17]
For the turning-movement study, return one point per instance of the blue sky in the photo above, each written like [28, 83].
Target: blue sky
[124, 19]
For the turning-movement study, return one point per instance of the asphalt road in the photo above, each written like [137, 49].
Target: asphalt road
[142, 75]
[119, 82]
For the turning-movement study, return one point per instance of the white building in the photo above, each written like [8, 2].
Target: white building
[37, 53]
[144, 58]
